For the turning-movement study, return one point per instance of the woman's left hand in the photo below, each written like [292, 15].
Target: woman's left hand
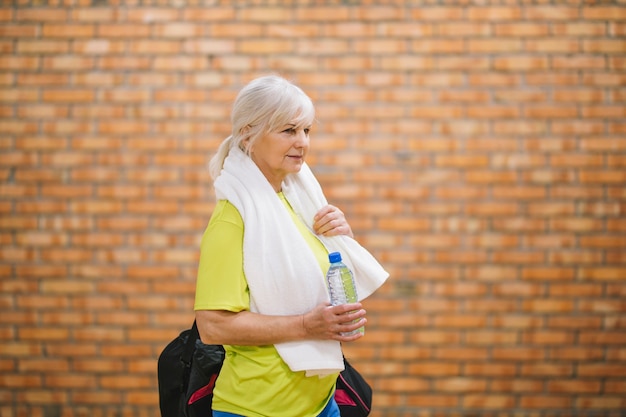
[330, 221]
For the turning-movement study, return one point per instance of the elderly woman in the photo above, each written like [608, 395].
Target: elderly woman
[260, 288]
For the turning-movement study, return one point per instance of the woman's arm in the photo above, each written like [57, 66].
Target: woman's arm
[324, 322]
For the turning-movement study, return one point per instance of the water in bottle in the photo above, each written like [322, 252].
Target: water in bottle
[341, 285]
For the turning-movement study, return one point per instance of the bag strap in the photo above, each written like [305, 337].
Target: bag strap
[187, 355]
[190, 345]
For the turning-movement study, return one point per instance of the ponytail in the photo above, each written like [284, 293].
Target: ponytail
[217, 161]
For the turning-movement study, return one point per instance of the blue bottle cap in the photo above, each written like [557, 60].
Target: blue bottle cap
[334, 257]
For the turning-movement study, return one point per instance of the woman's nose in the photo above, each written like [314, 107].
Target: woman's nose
[302, 139]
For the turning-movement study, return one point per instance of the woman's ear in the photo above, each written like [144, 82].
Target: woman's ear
[245, 142]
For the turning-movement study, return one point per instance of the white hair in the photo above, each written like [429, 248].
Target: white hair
[262, 106]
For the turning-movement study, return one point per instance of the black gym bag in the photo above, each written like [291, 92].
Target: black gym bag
[188, 368]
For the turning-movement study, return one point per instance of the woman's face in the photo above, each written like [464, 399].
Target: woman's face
[281, 152]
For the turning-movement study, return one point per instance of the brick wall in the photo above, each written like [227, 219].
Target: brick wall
[478, 148]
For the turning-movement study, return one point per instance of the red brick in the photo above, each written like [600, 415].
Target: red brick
[459, 353]
[552, 13]
[495, 45]
[144, 398]
[491, 209]
[606, 370]
[43, 47]
[580, 29]
[601, 402]
[271, 14]
[601, 306]
[522, 193]
[402, 62]
[519, 354]
[462, 321]
[433, 400]
[616, 28]
[490, 369]
[604, 79]
[20, 381]
[397, 30]
[18, 95]
[211, 14]
[504, 112]
[574, 322]
[515, 385]
[604, 46]
[603, 338]
[551, 112]
[490, 338]
[70, 381]
[574, 290]
[434, 369]
[152, 14]
[545, 402]
[460, 385]
[519, 225]
[519, 322]
[405, 385]
[577, 224]
[578, 61]
[68, 30]
[603, 13]
[41, 14]
[99, 397]
[124, 62]
[521, 29]
[439, 46]
[603, 274]
[437, 13]
[548, 337]
[19, 63]
[616, 387]
[548, 306]
[603, 176]
[506, 128]
[177, 30]
[18, 30]
[494, 13]
[520, 63]
[491, 273]
[454, 63]
[607, 112]
[115, 30]
[578, 353]
[489, 401]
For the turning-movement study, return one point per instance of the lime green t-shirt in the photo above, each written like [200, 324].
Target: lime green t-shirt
[254, 380]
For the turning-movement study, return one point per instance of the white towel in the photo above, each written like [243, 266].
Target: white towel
[282, 273]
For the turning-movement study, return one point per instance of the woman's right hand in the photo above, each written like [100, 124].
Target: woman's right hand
[328, 322]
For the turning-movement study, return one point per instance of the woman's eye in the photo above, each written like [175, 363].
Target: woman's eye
[306, 131]
[291, 131]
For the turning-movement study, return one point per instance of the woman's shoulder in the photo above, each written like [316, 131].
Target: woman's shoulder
[226, 212]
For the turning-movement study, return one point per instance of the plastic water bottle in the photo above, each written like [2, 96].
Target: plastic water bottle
[341, 285]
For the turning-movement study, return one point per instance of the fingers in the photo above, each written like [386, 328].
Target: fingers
[332, 322]
[330, 221]
[343, 331]
[346, 333]
[324, 211]
[348, 317]
[342, 309]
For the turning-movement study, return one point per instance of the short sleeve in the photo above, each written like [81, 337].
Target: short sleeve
[221, 283]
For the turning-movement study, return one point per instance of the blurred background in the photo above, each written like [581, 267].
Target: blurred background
[478, 149]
